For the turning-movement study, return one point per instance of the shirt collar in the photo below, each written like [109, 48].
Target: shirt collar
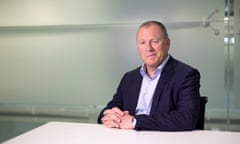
[158, 69]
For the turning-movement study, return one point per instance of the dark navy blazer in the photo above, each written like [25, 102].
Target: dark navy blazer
[176, 101]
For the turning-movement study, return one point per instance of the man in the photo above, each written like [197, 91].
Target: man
[162, 94]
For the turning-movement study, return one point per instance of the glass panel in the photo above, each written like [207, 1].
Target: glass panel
[235, 97]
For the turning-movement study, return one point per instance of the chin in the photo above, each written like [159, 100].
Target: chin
[151, 65]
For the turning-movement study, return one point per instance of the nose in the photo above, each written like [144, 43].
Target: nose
[149, 46]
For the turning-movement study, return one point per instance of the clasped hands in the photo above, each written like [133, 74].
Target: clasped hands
[116, 118]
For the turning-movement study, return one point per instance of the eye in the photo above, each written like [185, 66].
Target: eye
[142, 42]
[155, 41]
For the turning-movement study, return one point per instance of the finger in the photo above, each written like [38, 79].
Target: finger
[111, 124]
[111, 117]
[108, 111]
[127, 122]
[117, 111]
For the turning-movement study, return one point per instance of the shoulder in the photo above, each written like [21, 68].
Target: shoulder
[130, 78]
[180, 67]
[133, 74]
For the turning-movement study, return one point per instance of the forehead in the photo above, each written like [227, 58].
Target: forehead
[150, 26]
[149, 31]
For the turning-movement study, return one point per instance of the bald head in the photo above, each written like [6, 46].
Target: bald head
[162, 27]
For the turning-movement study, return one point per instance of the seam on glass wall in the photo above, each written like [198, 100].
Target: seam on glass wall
[229, 56]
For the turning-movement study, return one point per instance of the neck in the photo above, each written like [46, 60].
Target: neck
[150, 71]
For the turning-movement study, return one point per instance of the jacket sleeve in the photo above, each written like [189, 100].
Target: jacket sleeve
[116, 100]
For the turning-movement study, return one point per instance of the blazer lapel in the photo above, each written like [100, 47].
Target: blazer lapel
[162, 82]
[136, 86]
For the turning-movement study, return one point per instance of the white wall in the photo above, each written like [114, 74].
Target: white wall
[75, 51]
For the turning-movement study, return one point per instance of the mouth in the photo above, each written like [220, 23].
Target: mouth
[150, 55]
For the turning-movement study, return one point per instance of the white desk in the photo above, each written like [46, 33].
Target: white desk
[77, 133]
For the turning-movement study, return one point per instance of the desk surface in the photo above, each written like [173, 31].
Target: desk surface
[76, 133]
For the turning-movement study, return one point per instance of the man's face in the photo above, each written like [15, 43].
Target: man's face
[152, 46]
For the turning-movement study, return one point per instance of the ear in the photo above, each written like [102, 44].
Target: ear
[168, 42]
